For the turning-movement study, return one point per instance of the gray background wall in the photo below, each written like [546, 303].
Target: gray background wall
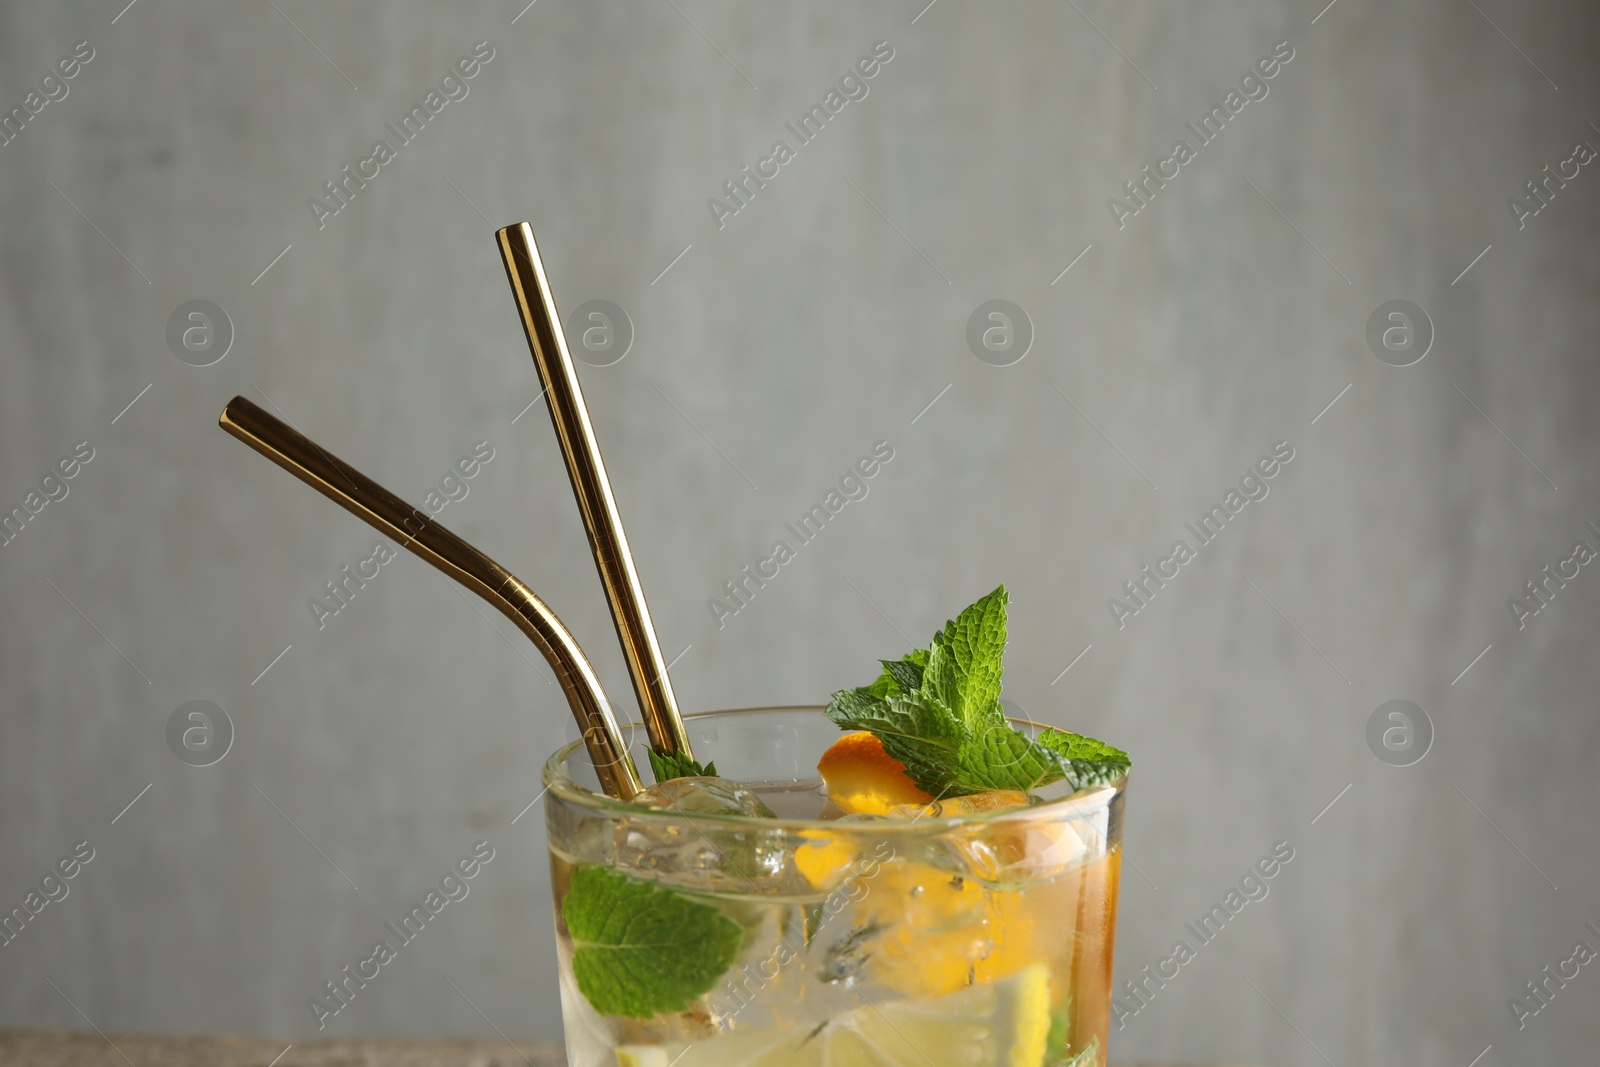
[823, 317]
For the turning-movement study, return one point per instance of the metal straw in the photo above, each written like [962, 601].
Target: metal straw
[646, 666]
[384, 511]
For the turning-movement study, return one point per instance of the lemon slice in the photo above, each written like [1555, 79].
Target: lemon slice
[998, 1024]
[642, 1056]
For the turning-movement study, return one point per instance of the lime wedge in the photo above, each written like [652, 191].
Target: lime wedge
[998, 1024]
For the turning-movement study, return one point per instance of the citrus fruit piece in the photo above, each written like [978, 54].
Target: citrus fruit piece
[863, 779]
[941, 932]
[997, 1024]
[825, 858]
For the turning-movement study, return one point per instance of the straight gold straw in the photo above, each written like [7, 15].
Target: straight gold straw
[646, 666]
[387, 513]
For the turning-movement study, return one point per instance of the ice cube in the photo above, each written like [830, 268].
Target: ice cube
[700, 853]
[1017, 852]
[703, 795]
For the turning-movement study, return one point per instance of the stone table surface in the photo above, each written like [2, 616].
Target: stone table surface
[54, 1048]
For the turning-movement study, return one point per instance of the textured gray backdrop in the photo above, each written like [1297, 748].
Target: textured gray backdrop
[826, 315]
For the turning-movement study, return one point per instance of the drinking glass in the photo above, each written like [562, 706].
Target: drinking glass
[953, 937]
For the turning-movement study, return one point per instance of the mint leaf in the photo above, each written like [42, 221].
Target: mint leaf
[639, 949]
[964, 663]
[999, 757]
[1088, 762]
[1057, 1041]
[678, 765]
[882, 687]
[901, 676]
[906, 674]
[937, 711]
[898, 717]
[921, 734]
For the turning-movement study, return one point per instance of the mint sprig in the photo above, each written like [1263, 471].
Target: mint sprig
[678, 765]
[937, 711]
[640, 949]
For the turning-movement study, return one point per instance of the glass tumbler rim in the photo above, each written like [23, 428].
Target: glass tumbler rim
[558, 783]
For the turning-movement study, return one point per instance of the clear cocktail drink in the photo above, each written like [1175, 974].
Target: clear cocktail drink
[751, 924]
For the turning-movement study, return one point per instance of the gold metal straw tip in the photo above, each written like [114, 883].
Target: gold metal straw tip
[647, 667]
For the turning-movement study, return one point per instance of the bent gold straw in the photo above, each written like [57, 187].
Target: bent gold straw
[387, 513]
[646, 666]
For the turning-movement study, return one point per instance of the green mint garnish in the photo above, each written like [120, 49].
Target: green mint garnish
[963, 670]
[678, 765]
[640, 949]
[937, 710]
[1057, 1041]
[1093, 761]
[905, 674]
